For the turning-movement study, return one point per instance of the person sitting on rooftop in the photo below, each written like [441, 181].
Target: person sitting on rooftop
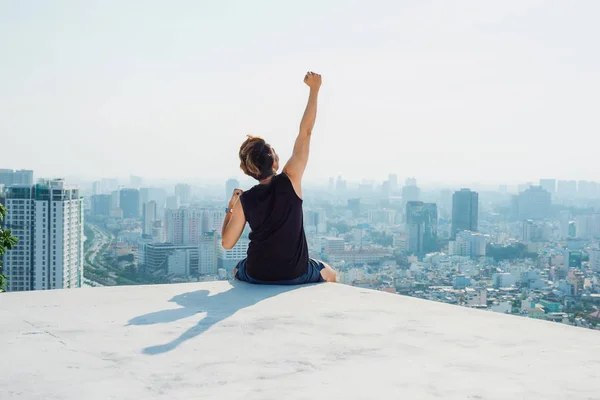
[278, 250]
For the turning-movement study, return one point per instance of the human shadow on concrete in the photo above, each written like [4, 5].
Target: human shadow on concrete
[217, 308]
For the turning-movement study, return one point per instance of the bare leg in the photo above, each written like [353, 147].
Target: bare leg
[328, 273]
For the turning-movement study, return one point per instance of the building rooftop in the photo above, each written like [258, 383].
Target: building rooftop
[222, 340]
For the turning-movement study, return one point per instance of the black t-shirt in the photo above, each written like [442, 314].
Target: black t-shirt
[278, 249]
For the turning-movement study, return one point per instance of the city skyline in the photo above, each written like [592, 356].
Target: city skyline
[478, 89]
[245, 182]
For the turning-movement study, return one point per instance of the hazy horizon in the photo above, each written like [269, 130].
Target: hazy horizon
[449, 93]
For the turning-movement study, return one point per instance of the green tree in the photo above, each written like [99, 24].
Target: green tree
[7, 241]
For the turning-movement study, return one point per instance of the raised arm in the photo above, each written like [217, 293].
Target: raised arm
[296, 165]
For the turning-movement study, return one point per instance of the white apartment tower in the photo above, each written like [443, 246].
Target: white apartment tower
[149, 217]
[47, 218]
[207, 253]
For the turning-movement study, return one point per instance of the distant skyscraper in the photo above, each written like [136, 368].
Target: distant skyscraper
[549, 185]
[410, 193]
[410, 182]
[115, 199]
[173, 203]
[534, 203]
[159, 195]
[47, 218]
[535, 231]
[594, 262]
[566, 188]
[564, 220]
[230, 185]
[354, 206]
[393, 182]
[228, 259]
[465, 211]
[148, 217]
[445, 202]
[207, 253]
[183, 226]
[184, 191]
[130, 203]
[212, 219]
[587, 189]
[421, 227]
[158, 232]
[331, 184]
[20, 177]
[587, 226]
[101, 205]
[340, 185]
[96, 188]
[315, 221]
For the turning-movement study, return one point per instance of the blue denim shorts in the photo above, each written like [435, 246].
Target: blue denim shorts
[312, 275]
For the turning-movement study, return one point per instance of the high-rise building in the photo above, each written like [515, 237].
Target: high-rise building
[421, 227]
[173, 203]
[534, 203]
[393, 183]
[465, 211]
[207, 253]
[410, 193]
[183, 226]
[228, 259]
[340, 185]
[354, 206]
[548, 185]
[535, 231]
[445, 203]
[9, 177]
[184, 192]
[96, 188]
[129, 201]
[315, 221]
[410, 182]
[566, 188]
[148, 217]
[572, 259]
[564, 220]
[168, 259]
[115, 199]
[587, 226]
[101, 205]
[47, 218]
[158, 195]
[594, 255]
[212, 219]
[587, 189]
[158, 232]
[230, 186]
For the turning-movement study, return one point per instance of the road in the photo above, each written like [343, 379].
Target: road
[99, 243]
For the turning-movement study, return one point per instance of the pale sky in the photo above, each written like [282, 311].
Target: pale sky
[447, 91]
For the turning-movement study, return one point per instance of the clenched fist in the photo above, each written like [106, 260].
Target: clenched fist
[237, 193]
[313, 80]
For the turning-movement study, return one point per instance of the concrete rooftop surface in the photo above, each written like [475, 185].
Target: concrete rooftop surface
[222, 340]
